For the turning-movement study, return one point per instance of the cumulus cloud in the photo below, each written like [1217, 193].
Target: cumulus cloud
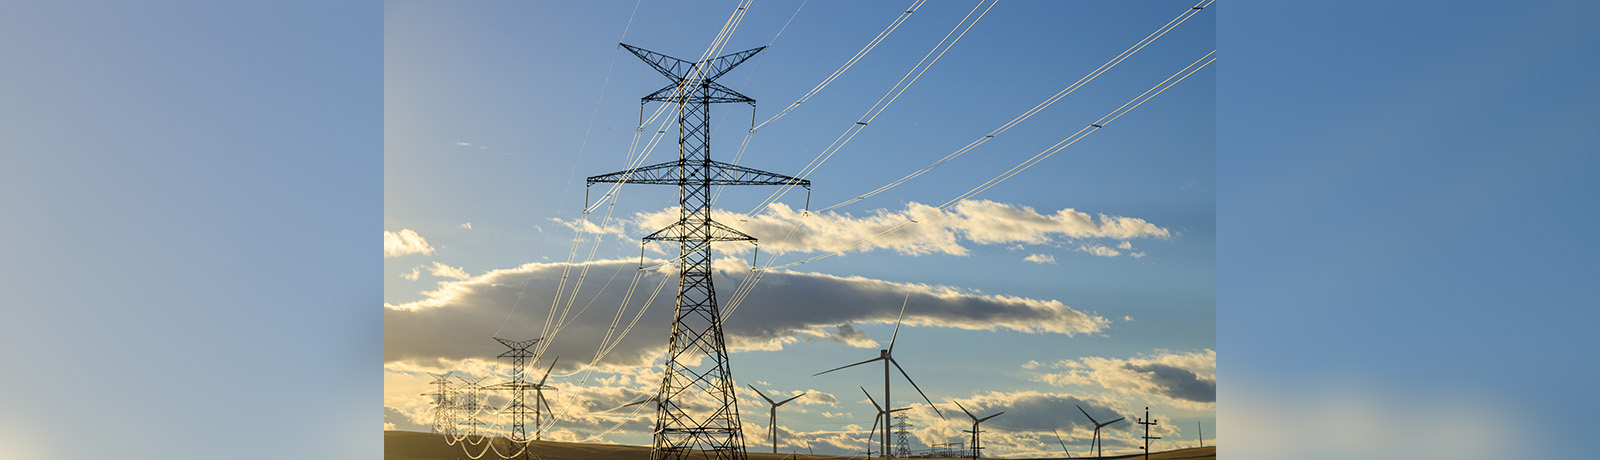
[1183, 379]
[416, 272]
[782, 229]
[1098, 250]
[406, 241]
[1041, 259]
[1125, 245]
[446, 271]
[784, 308]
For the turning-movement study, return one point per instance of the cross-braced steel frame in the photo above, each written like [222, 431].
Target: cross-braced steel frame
[697, 413]
[518, 410]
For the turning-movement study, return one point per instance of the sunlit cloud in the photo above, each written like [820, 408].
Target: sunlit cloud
[1041, 259]
[446, 271]
[1186, 380]
[406, 241]
[782, 229]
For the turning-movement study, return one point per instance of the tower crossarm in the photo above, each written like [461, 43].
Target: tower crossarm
[715, 94]
[677, 69]
[692, 231]
[670, 173]
[671, 67]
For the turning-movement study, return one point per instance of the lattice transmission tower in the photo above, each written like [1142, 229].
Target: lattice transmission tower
[697, 410]
[443, 406]
[518, 387]
[903, 431]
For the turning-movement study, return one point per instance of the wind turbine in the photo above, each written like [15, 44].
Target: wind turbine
[772, 423]
[538, 392]
[1063, 444]
[887, 356]
[975, 430]
[1097, 426]
[882, 415]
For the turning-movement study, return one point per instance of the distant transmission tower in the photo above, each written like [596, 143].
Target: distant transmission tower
[441, 402]
[1147, 422]
[903, 429]
[467, 401]
[518, 387]
[684, 421]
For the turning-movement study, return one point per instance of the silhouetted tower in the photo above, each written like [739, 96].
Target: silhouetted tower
[467, 401]
[682, 426]
[903, 428]
[518, 387]
[441, 401]
[1147, 422]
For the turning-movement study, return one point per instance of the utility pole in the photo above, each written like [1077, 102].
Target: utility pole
[1147, 422]
[681, 426]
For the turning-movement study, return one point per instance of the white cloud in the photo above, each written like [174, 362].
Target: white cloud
[446, 271]
[1041, 259]
[605, 227]
[396, 244]
[782, 229]
[1125, 245]
[1187, 380]
[464, 144]
[1098, 250]
[467, 225]
[416, 272]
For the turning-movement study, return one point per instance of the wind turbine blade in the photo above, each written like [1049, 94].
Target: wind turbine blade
[1086, 414]
[642, 401]
[547, 371]
[964, 409]
[780, 403]
[758, 393]
[842, 367]
[991, 416]
[1062, 443]
[869, 399]
[897, 323]
[1114, 421]
[913, 383]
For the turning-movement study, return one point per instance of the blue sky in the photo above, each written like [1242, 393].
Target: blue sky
[495, 113]
[192, 191]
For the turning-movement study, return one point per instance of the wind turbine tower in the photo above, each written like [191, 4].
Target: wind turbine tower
[683, 427]
[772, 422]
[976, 441]
[887, 356]
[1095, 446]
[1147, 422]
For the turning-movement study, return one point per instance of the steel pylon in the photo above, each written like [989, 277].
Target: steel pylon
[697, 414]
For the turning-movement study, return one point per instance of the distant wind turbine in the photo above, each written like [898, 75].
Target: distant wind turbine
[887, 356]
[975, 421]
[772, 423]
[1097, 425]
